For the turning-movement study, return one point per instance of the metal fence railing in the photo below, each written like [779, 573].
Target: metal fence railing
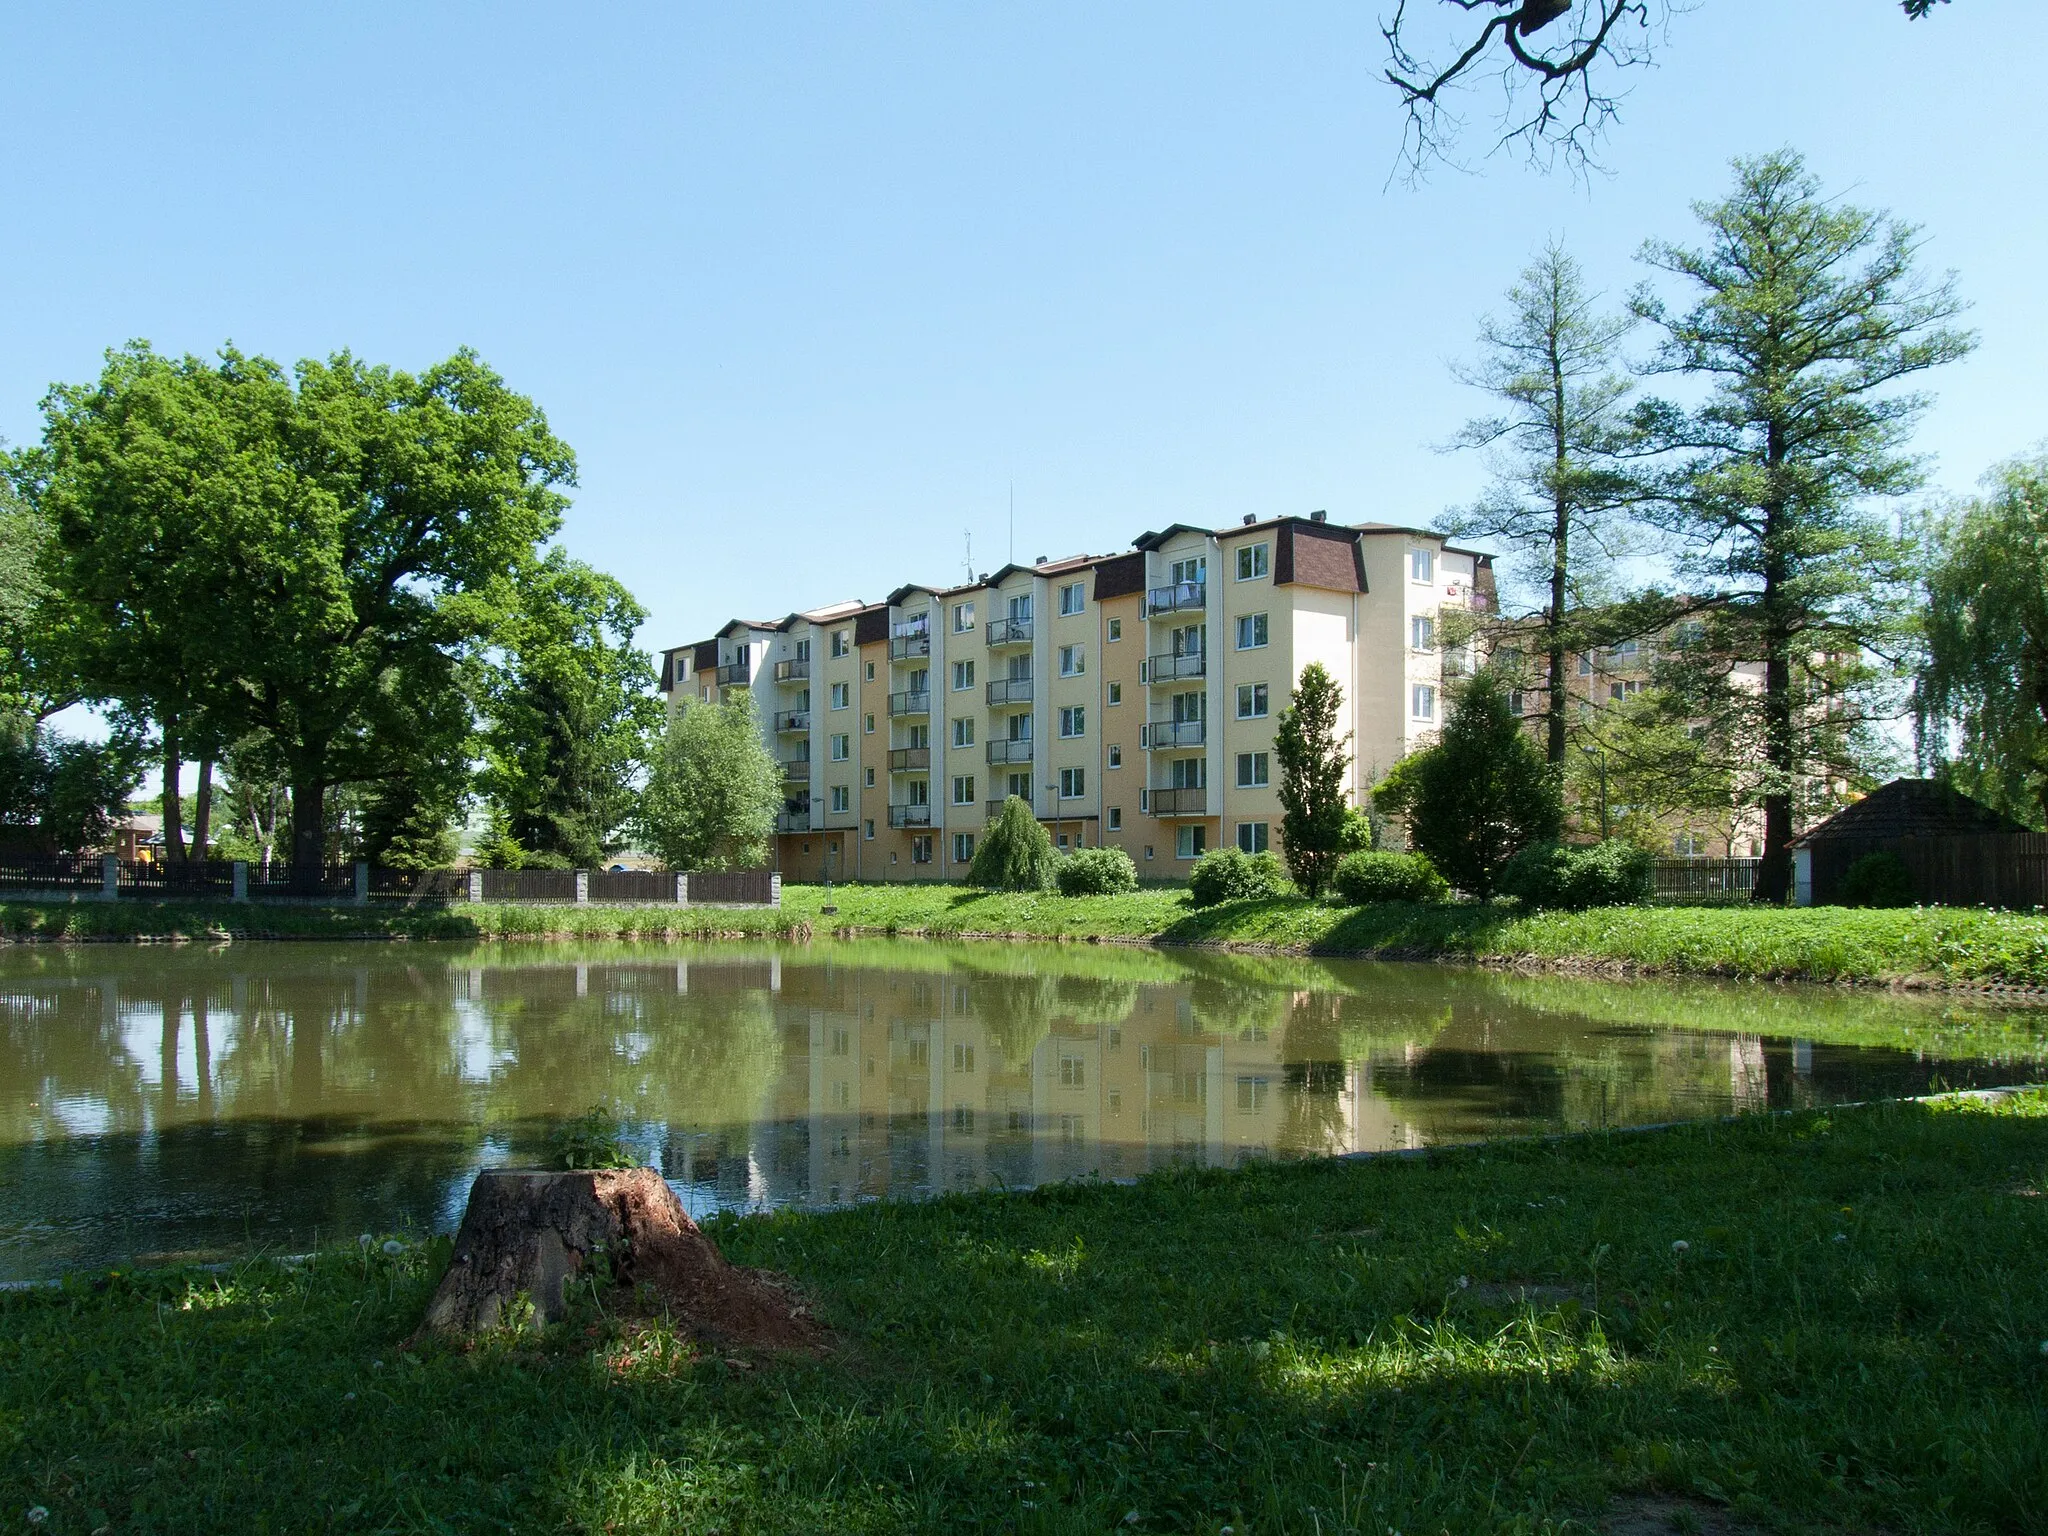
[1702, 882]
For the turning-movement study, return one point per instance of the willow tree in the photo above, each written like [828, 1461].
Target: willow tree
[1805, 315]
[1983, 691]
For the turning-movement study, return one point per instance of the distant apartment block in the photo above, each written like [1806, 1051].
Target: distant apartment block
[1130, 699]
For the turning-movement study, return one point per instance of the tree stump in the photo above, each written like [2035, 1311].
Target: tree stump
[527, 1234]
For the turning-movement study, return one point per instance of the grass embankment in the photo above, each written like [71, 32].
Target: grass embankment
[1833, 944]
[1825, 1321]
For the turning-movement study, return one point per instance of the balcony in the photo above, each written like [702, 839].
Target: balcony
[995, 807]
[1175, 733]
[1005, 691]
[909, 647]
[1008, 632]
[1172, 669]
[910, 815]
[793, 821]
[1010, 751]
[910, 760]
[910, 703]
[793, 671]
[1180, 802]
[793, 720]
[1178, 598]
[738, 673]
[796, 770]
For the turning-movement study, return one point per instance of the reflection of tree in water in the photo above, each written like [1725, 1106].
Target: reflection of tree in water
[1018, 1008]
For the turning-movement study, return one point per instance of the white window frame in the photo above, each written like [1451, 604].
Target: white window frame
[1116, 757]
[842, 799]
[1421, 632]
[842, 748]
[1073, 598]
[1073, 661]
[1188, 841]
[842, 643]
[1256, 625]
[1254, 561]
[1254, 770]
[1422, 701]
[963, 618]
[1073, 721]
[1422, 565]
[963, 847]
[963, 676]
[963, 789]
[1116, 693]
[1254, 836]
[1116, 630]
[1253, 699]
[1116, 818]
[1073, 783]
[963, 731]
[841, 696]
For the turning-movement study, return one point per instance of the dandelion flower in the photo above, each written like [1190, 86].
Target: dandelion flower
[1680, 1246]
[365, 1240]
[393, 1247]
[38, 1515]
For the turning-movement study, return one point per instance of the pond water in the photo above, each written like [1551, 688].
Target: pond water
[162, 1103]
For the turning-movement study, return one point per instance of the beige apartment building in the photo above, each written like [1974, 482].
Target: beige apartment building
[1130, 699]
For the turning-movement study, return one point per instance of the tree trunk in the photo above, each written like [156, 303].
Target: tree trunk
[174, 805]
[202, 808]
[1781, 749]
[309, 833]
[529, 1238]
[1560, 560]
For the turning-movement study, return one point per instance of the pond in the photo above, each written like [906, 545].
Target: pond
[163, 1103]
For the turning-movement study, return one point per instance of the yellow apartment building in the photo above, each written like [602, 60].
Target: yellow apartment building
[1130, 699]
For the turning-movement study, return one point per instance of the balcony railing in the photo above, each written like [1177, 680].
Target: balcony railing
[1175, 733]
[793, 671]
[1180, 802]
[910, 815]
[738, 673]
[1000, 751]
[910, 703]
[921, 625]
[1177, 598]
[1009, 632]
[995, 807]
[793, 821]
[1171, 669]
[910, 759]
[796, 770]
[907, 647]
[793, 720]
[1009, 690]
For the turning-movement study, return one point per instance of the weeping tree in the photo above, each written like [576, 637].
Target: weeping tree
[1982, 694]
[1015, 852]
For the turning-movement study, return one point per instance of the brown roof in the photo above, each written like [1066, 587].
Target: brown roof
[871, 625]
[1317, 555]
[1120, 576]
[1909, 808]
[706, 658]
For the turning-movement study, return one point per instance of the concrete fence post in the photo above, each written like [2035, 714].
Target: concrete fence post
[241, 887]
[582, 887]
[476, 885]
[682, 890]
[362, 884]
[110, 877]
[775, 890]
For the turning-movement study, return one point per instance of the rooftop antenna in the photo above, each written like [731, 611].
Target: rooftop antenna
[968, 534]
[1013, 523]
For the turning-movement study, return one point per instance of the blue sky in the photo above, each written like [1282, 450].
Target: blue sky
[810, 287]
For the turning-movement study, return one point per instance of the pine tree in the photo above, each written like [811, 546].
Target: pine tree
[1314, 761]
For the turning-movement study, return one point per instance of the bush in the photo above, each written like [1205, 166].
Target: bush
[1097, 872]
[1226, 874]
[1615, 873]
[1877, 880]
[1015, 853]
[1364, 878]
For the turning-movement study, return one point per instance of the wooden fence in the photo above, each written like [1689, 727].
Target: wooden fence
[1975, 869]
[1702, 882]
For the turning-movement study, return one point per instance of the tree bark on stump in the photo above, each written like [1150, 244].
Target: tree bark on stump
[528, 1234]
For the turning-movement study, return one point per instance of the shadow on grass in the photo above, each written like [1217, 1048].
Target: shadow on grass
[1489, 1339]
[1391, 929]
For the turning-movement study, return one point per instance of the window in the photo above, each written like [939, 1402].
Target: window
[842, 641]
[1624, 690]
[1073, 661]
[842, 695]
[963, 618]
[1073, 596]
[1251, 631]
[867, 724]
[1188, 844]
[842, 800]
[1253, 769]
[963, 731]
[1252, 836]
[867, 829]
[871, 778]
[803, 650]
[1586, 665]
[1116, 818]
[1148, 850]
[1251, 701]
[1422, 565]
[963, 1056]
[1019, 785]
[842, 748]
[1073, 783]
[1517, 704]
[921, 849]
[1116, 693]
[1116, 757]
[963, 789]
[1116, 629]
[1422, 702]
[963, 847]
[1073, 1072]
[870, 674]
[1193, 571]
[1251, 562]
[1251, 1094]
[963, 676]
[1074, 721]
[1421, 632]
[1688, 845]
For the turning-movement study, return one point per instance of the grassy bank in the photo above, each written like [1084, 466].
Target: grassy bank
[1806, 1322]
[1933, 945]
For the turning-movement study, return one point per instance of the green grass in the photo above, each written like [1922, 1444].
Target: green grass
[1938, 946]
[1491, 1339]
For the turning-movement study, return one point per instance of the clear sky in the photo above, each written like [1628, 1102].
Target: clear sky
[809, 287]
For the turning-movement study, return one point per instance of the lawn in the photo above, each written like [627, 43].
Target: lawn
[1809, 1322]
[1940, 946]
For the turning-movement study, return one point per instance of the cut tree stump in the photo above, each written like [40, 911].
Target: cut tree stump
[528, 1233]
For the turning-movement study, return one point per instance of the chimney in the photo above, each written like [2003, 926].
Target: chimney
[1250, 518]
[1319, 517]
[1040, 560]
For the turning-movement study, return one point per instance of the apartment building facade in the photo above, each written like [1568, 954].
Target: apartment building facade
[1129, 699]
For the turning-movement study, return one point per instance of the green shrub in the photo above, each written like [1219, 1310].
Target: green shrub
[1364, 878]
[1226, 874]
[1877, 880]
[1359, 835]
[1097, 872]
[1615, 873]
[1016, 853]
